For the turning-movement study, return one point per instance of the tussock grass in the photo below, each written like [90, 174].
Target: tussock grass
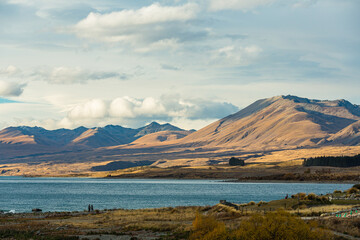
[350, 226]
[162, 219]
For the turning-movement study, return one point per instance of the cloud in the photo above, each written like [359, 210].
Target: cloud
[172, 43]
[161, 27]
[8, 89]
[235, 55]
[248, 5]
[132, 110]
[69, 75]
[96, 23]
[304, 3]
[169, 67]
[10, 71]
[95, 108]
[127, 107]
[244, 5]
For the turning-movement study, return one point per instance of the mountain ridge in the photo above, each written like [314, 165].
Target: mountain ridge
[109, 135]
[277, 122]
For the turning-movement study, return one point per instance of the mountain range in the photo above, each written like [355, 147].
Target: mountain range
[110, 135]
[276, 123]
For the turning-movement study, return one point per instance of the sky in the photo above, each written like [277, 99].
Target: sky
[65, 64]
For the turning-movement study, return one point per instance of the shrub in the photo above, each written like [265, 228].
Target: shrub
[311, 196]
[208, 228]
[337, 191]
[301, 196]
[352, 190]
[251, 203]
[324, 199]
[278, 225]
[356, 186]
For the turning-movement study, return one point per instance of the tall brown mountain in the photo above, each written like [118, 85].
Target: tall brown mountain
[278, 122]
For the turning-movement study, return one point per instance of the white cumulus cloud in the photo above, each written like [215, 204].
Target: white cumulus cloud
[154, 13]
[95, 108]
[156, 25]
[11, 88]
[128, 109]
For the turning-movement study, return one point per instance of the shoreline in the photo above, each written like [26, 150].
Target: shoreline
[209, 179]
[294, 181]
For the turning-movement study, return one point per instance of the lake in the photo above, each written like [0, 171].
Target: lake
[74, 194]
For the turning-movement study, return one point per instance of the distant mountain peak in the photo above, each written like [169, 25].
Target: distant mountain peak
[154, 124]
[156, 127]
[298, 99]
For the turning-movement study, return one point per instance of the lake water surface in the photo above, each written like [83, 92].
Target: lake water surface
[74, 194]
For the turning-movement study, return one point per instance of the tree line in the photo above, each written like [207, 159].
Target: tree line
[338, 161]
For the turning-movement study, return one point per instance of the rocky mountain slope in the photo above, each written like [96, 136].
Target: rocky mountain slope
[165, 137]
[279, 122]
[348, 136]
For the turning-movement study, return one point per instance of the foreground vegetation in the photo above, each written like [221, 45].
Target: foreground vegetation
[272, 226]
[300, 216]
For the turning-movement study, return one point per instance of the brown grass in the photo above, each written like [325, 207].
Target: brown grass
[259, 163]
[350, 226]
[164, 219]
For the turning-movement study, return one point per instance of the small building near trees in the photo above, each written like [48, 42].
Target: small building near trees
[236, 162]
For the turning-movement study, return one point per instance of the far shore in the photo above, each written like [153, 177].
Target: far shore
[217, 179]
